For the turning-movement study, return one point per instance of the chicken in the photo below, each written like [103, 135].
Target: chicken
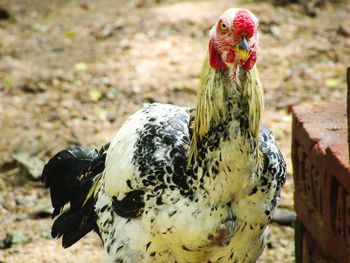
[180, 184]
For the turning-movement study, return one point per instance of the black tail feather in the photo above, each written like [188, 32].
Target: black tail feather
[69, 175]
[66, 222]
[72, 225]
[61, 174]
[72, 237]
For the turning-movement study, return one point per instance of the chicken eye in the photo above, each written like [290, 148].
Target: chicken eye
[223, 27]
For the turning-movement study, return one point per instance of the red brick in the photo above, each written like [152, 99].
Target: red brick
[320, 156]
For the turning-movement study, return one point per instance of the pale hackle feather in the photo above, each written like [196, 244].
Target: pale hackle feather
[210, 100]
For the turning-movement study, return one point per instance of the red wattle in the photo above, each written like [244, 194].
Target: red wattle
[250, 61]
[215, 59]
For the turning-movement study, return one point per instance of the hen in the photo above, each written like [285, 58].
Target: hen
[179, 184]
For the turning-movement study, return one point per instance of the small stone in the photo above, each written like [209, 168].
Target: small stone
[31, 165]
[21, 217]
[104, 81]
[275, 31]
[119, 24]
[13, 239]
[23, 201]
[20, 239]
[40, 27]
[113, 93]
[125, 44]
[284, 217]
[106, 31]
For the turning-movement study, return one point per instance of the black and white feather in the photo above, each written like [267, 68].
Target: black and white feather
[149, 207]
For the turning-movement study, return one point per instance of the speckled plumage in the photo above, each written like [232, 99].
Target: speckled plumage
[182, 184]
[187, 214]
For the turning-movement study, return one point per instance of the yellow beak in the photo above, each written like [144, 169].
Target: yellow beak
[243, 54]
[243, 49]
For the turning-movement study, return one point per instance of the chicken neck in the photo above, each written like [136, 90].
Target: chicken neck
[224, 148]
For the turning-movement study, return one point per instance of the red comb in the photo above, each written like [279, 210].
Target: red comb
[243, 24]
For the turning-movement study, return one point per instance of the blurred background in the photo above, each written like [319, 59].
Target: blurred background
[71, 72]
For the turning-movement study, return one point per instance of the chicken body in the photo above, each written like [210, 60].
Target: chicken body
[179, 222]
[179, 184]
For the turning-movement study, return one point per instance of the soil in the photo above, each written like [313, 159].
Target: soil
[71, 72]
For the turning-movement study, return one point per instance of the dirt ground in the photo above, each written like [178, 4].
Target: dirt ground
[72, 71]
